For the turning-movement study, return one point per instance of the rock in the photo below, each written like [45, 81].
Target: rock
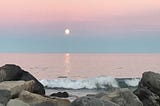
[11, 89]
[147, 97]
[151, 80]
[39, 88]
[60, 94]
[5, 96]
[38, 100]
[15, 87]
[91, 101]
[123, 97]
[1, 105]
[109, 103]
[10, 72]
[148, 89]
[16, 102]
[101, 94]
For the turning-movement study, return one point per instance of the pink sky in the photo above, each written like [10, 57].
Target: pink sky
[24, 11]
[126, 25]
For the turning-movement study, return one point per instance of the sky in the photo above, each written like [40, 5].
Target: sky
[97, 26]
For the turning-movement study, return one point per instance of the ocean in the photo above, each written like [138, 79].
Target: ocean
[84, 71]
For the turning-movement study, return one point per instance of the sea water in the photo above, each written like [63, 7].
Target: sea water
[84, 71]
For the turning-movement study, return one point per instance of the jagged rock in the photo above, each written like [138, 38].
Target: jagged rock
[123, 97]
[60, 94]
[91, 101]
[38, 100]
[148, 89]
[11, 72]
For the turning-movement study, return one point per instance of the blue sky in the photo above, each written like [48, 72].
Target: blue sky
[133, 43]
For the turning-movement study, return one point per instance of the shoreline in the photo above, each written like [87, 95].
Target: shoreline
[19, 87]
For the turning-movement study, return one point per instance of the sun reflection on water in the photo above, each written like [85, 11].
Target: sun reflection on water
[67, 63]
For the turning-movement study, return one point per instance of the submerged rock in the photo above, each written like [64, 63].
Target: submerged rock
[148, 89]
[60, 94]
[11, 72]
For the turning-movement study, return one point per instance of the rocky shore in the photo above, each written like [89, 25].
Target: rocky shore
[20, 88]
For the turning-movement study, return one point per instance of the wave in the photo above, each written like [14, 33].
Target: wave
[133, 82]
[101, 82]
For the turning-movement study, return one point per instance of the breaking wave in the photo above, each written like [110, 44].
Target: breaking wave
[100, 82]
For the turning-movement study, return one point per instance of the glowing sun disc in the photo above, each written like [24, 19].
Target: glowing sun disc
[67, 31]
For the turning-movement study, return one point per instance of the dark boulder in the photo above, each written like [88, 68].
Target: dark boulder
[60, 94]
[39, 88]
[11, 72]
[151, 81]
[148, 89]
[147, 97]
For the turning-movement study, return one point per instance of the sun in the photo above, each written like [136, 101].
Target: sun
[67, 31]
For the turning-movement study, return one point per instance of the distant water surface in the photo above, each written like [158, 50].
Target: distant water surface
[51, 66]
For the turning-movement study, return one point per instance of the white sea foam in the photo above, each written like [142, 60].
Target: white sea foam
[133, 82]
[90, 83]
